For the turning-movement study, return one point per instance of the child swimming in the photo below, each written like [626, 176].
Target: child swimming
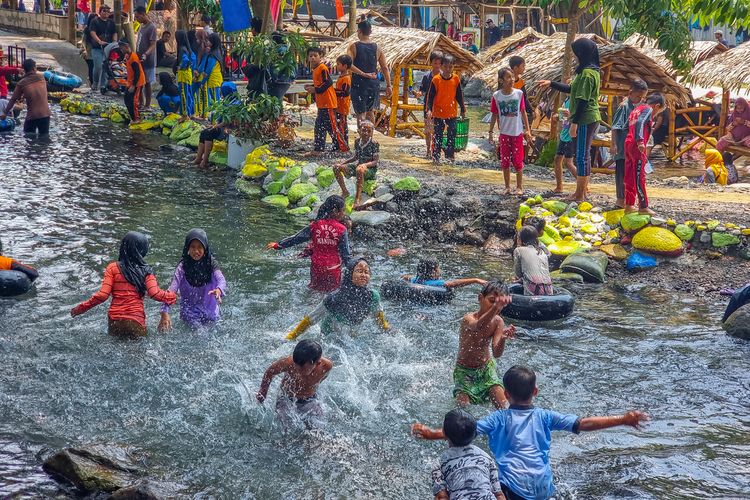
[128, 280]
[8, 264]
[428, 273]
[329, 245]
[303, 372]
[482, 339]
[531, 264]
[199, 282]
[347, 307]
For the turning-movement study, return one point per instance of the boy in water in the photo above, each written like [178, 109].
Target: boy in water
[429, 274]
[520, 436]
[366, 158]
[465, 471]
[303, 372]
[638, 91]
[482, 339]
[326, 102]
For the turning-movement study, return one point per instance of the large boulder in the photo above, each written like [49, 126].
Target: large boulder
[370, 218]
[738, 323]
[721, 240]
[613, 217]
[634, 221]
[657, 241]
[96, 468]
[299, 191]
[591, 266]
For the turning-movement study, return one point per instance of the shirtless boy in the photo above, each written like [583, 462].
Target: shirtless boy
[303, 371]
[482, 339]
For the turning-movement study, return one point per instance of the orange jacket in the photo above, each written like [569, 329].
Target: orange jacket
[325, 95]
[135, 71]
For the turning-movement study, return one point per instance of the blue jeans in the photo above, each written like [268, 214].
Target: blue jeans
[98, 57]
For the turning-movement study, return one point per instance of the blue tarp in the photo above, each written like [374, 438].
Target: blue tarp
[236, 15]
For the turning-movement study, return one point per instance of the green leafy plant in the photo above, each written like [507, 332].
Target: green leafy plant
[281, 59]
[210, 8]
[251, 117]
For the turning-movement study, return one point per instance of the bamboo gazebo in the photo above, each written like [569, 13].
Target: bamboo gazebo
[509, 44]
[406, 49]
[699, 50]
[730, 71]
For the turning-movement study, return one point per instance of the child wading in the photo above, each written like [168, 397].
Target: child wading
[168, 97]
[199, 282]
[639, 131]
[303, 372]
[128, 280]
[520, 436]
[343, 94]
[638, 91]
[347, 307]
[436, 59]
[136, 81]
[428, 273]
[564, 153]
[508, 109]
[531, 264]
[363, 165]
[326, 102]
[329, 245]
[481, 340]
[443, 100]
[184, 70]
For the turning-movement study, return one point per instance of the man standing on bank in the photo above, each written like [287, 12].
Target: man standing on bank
[365, 91]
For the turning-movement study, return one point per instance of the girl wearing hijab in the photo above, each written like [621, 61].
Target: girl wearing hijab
[738, 129]
[584, 108]
[199, 283]
[348, 307]
[329, 245]
[716, 170]
[128, 280]
[210, 77]
[184, 70]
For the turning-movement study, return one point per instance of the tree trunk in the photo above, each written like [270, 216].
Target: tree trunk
[71, 22]
[570, 37]
[352, 17]
[118, 19]
[268, 25]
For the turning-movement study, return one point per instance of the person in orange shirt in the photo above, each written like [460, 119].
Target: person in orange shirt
[443, 100]
[136, 81]
[325, 100]
[128, 280]
[518, 67]
[8, 264]
[343, 90]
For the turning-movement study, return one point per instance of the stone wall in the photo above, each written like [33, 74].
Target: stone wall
[34, 24]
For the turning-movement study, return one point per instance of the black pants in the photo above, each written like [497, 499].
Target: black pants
[212, 134]
[325, 124]
[131, 102]
[620, 178]
[510, 494]
[437, 138]
[90, 64]
[38, 125]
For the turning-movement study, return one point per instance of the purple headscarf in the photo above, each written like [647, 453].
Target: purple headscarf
[740, 132]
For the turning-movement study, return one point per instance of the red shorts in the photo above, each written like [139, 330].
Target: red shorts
[510, 152]
[325, 279]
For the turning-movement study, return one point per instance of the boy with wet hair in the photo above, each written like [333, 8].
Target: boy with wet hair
[464, 471]
[429, 274]
[443, 100]
[436, 58]
[520, 437]
[518, 67]
[638, 91]
[326, 102]
[640, 124]
[343, 94]
[303, 372]
[482, 339]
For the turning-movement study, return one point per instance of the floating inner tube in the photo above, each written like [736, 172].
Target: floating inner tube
[7, 125]
[400, 290]
[539, 307]
[13, 283]
[61, 79]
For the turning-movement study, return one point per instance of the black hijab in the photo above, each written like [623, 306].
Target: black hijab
[198, 272]
[133, 249]
[587, 53]
[350, 301]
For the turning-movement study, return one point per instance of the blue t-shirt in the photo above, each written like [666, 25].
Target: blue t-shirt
[429, 282]
[520, 439]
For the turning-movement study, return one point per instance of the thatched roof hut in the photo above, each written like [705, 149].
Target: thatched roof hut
[411, 48]
[699, 50]
[620, 65]
[509, 44]
[730, 70]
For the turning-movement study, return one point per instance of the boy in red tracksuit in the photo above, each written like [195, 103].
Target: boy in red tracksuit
[136, 81]
[326, 102]
[640, 122]
[328, 248]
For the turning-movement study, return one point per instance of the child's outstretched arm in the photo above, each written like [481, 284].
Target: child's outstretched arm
[631, 418]
[421, 431]
[301, 237]
[276, 368]
[27, 270]
[306, 322]
[101, 296]
[462, 282]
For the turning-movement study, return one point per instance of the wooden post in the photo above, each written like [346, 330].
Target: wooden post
[724, 112]
[118, 19]
[72, 21]
[352, 17]
[294, 10]
[394, 100]
[671, 139]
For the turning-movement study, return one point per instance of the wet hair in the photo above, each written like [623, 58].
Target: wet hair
[435, 54]
[426, 269]
[537, 223]
[520, 382]
[345, 59]
[332, 203]
[165, 78]
[494, 286]
[28, 65]
[316, 50]
[447, 59]
[140, 9]
[365, 27]
[529, 236]
[656, 99]
[516, 61]
[307, 351]
[639, 85]
[460, 427]
[256, 24]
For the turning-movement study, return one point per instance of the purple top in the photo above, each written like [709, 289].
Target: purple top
[197, 307]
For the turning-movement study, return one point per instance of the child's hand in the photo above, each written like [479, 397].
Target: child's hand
[74, 312]
[528, 136]
[635, 418]
[260, 397]
[420, 431]
[272, 246]
[216, 292]
[310, 89]
[509, 332]
[165, 324]
[544, 84]
[463, 115]
[429, 114]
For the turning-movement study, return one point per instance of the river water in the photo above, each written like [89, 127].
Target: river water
[185, 400]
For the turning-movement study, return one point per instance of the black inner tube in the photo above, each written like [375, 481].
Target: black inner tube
[401, 290]
[13, 283]
[539, 307]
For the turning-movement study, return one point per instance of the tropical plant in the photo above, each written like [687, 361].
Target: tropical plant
[279, 52]
[255, 117]
[210, 8]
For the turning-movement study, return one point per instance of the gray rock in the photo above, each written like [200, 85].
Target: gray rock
[496, 246]
[147, 490]
[506, 215]
[473, 237]
[738, 324]
[308, 170]
[370, 218]
[448, 228]
[391, 206]
[266, 181]
[735, 232]
[720, 229]
[658, 221]
[94, 468]
[463, 223]
[382, 190]
[431, 207]
[705, 237]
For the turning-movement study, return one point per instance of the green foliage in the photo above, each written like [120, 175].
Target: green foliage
[281, 58]
[209, 8]
[547, 154]
[250, 117]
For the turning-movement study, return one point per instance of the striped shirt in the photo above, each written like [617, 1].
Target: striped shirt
[466, 472]
[127, 303]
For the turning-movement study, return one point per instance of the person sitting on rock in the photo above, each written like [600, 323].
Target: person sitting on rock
[428, 274]
[716, 171]
[531, 264]
[364, 163]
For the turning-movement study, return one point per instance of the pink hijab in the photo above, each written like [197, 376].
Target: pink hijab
[740, 132]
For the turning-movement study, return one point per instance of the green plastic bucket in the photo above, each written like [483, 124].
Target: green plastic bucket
[462, 134]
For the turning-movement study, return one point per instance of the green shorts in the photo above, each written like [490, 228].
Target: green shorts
[369, 175]
[476, 382]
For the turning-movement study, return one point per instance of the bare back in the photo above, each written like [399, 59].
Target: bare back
[475, 341]
[300, 385]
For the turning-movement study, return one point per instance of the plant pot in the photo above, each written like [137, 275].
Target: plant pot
[237, 150]
[278, 88]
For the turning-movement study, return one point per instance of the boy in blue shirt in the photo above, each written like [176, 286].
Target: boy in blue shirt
[520, 436]
[428, 273]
